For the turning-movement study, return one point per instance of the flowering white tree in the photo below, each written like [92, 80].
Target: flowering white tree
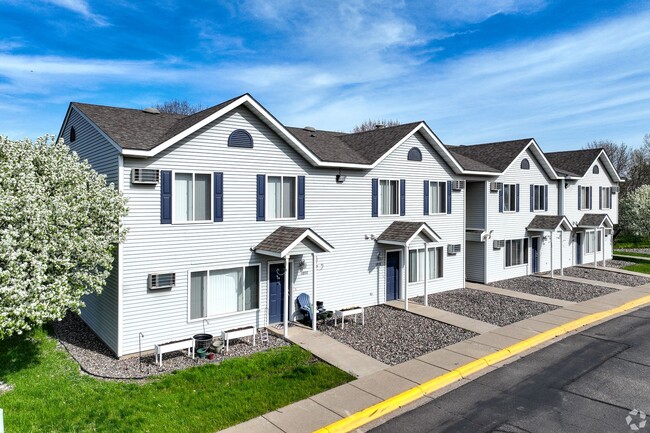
[635, 211]
[59, 225]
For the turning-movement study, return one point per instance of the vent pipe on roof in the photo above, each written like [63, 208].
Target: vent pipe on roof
[309, 128]
[379, 126]
[151, 110]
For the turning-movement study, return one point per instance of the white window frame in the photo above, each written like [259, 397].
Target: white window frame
[599, 241]
[442, 186]
[606, 197]
[174, 197]
[538, 191]
[420, 272]
[585, 194]
[230, 313]
[380, 197]
[269, 214]
[590, 241]
[512, 187]
[524, 255]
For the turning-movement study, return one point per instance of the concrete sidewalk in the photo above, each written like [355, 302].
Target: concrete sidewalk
[374, 387]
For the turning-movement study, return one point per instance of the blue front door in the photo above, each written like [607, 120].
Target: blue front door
[392, 275]
[276, 291]
[578, 248]
[535, 245]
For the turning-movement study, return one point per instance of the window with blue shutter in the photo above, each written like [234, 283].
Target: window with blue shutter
[449, 197]
[402, 197]
[261, 202]
[579, 198]
[501, 199]
[301, 197]
[375, 197]
[590, 197]
[165, 197]
[426, 197]
[532, 198]
[517, 205]
[218, 197]
[545, 197]
[600, 197]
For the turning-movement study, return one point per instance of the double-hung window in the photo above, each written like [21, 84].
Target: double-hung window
[222, 291]
[192, 197]
[516, 252]
[590, 241]
[437, 197]
[539, 197]
[585, 197]
[510, 198]
[416, 264]
[606, 197]
[281, 197]
[388, 197]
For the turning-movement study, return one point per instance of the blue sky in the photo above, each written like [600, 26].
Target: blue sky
[564, 72]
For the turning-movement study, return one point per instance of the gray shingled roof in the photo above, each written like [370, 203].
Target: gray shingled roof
[137, 130]
[545, 222]
[282, 237]
[573, 162]
[496, 156]
[592, 220]
[401, 231]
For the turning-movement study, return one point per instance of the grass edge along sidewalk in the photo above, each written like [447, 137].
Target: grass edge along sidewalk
[385, 407]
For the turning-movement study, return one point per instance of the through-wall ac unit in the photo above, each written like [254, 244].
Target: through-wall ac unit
[498, 244]
[145, 176]
[161, 281]
[614, 189]
[608, 232]
[496, 186]
[457, 185]
[453, 248]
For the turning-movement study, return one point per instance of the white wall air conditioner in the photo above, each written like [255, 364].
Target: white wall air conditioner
[496, 186]
[498, 244]
[614, 189]
[608, 232]
[458, 185]
[453, 248]
[146, 176]
[161, 281]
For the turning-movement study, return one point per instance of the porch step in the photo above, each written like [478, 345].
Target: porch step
[519, 295]
[446, 317]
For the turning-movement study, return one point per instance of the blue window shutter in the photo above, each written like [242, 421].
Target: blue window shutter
[579, 198]
[532, 198]
[590, 197]
[501, 200]
[402, 197]
[517, 203]
[301, 197]
[426, 197]
[611, 199]
[218, 197]
[166, 197]
[375, 197]
[600, 197]
[448, 196]
[545, 197]
[261, 202]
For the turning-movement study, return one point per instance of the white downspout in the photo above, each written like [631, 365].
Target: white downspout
[286, 297]
[314, 309]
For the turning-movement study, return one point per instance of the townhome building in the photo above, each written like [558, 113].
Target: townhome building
[232, 215]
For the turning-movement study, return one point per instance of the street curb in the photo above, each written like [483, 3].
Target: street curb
[378, 410]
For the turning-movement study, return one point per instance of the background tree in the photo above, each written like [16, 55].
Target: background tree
[370, 124]
[176, 106]
[619, 153]
[59, 225]
[639, 172]
[634, 211]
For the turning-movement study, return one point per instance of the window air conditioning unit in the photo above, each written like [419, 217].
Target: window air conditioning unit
[614, 189]
[146, 176]
[458, 185]
[496, 186]
[161, 281]
[453, 249]
[608, 232]
[498, 244]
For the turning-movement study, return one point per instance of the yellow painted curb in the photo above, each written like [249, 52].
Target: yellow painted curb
[380, 409]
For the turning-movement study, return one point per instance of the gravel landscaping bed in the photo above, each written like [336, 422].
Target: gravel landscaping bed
[606, 276]
[487, 307]
[553, 288]
[96, 359]
[634, 250]
[618, 264]
[394, 336]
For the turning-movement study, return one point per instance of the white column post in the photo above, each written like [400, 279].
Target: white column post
[602, 245]
[551, 235]
[562, 253]
[406, 277]
[314, 310]
[286, 296]
[594, 247]
[426, 273]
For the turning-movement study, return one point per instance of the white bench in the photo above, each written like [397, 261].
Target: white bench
[172, 346]
[231, 334]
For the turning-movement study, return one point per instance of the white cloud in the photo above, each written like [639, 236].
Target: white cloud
[81, 7]
[475, 11]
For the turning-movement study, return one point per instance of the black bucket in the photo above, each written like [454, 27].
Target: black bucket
[202, 341]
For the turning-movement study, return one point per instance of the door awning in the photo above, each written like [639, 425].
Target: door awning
[596, 220]
[284, 239]
[403, 232]
[549, 223]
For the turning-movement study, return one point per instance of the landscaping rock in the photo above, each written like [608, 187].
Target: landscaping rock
[634, 250]
[488, 307]
[394, 336]
[618, 264]
[553, 288]
[606, 276]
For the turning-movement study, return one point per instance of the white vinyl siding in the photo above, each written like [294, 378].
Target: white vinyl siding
[282, 197]
[192, 197]
[223, 291]
[509, 198]
[516, 252]
[388, 197]
[437, 197]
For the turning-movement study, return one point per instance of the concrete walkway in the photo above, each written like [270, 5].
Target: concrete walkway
[445, 317]
[625, 256]
[587, 281]
[519, 295]
[617, 270]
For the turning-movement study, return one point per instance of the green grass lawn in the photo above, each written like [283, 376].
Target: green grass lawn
[639, 267]
[50, 395]
[626, 253]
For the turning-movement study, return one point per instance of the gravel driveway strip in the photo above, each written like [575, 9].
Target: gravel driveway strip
[553, 288]
[606, 276]
[619, 264]
[634, 250]
[488, 307]
[394, 336]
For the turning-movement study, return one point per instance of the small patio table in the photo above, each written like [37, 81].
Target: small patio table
[343, 313]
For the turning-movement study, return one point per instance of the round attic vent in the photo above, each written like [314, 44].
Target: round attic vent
[309, 128]
[151, 110]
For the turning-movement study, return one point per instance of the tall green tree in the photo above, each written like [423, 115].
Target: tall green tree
[59, 225]
[634, 212]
